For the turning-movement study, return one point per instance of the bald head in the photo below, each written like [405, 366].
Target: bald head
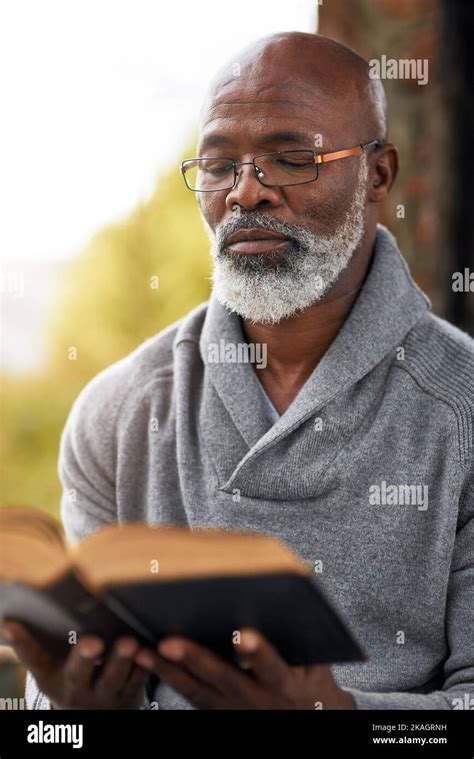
[304, 70]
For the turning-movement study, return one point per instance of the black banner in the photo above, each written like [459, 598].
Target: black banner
[367, 733]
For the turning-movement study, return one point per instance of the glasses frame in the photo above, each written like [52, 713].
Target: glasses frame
[318, 158]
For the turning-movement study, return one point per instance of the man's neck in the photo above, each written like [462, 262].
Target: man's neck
[296, 345]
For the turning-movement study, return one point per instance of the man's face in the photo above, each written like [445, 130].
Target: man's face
[321, 223]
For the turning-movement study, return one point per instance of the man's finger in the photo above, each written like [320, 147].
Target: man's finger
[28, 650]
[117, 667]
[136, 680]
[209, 668]
[81, 664]
[264, 661]
[201, 694]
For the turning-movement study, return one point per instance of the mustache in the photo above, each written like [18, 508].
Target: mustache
[255, 220]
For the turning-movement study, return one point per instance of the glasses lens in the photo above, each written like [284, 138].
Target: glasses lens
[287, 168]
[209, 174]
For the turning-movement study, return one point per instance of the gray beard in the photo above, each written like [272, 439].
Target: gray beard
[267, 288]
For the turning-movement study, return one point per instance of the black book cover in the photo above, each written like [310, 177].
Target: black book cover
[289, 609]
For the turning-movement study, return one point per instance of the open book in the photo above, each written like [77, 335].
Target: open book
[153, 582]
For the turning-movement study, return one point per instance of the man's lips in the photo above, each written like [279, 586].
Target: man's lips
[255, 241]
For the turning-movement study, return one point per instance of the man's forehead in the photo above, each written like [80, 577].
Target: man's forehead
[258, 94]
[271, 113]
[268, 90]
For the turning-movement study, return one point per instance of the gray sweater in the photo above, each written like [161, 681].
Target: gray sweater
[368, 474]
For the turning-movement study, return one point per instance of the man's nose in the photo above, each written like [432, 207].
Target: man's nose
[249, 193]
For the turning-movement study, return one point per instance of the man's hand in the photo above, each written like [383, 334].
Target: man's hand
[71, 684]
[209, 682]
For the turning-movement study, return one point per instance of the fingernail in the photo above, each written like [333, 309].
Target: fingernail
[171, 649]
[126, 649]
[145, 659]
[89, 649]
[6, 633]
[249, 640]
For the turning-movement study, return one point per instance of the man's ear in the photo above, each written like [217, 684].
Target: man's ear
[384, 165]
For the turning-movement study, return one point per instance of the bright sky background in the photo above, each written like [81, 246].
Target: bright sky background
[98, 96]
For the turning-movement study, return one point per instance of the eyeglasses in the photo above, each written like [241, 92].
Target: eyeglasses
[282, 169]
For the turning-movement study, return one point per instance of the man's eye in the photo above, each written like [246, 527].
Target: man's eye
[294, 164]
[217, 168]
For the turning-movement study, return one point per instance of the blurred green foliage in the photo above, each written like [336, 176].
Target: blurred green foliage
[108, 304]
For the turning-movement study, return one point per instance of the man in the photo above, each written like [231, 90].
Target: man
[352, 440]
